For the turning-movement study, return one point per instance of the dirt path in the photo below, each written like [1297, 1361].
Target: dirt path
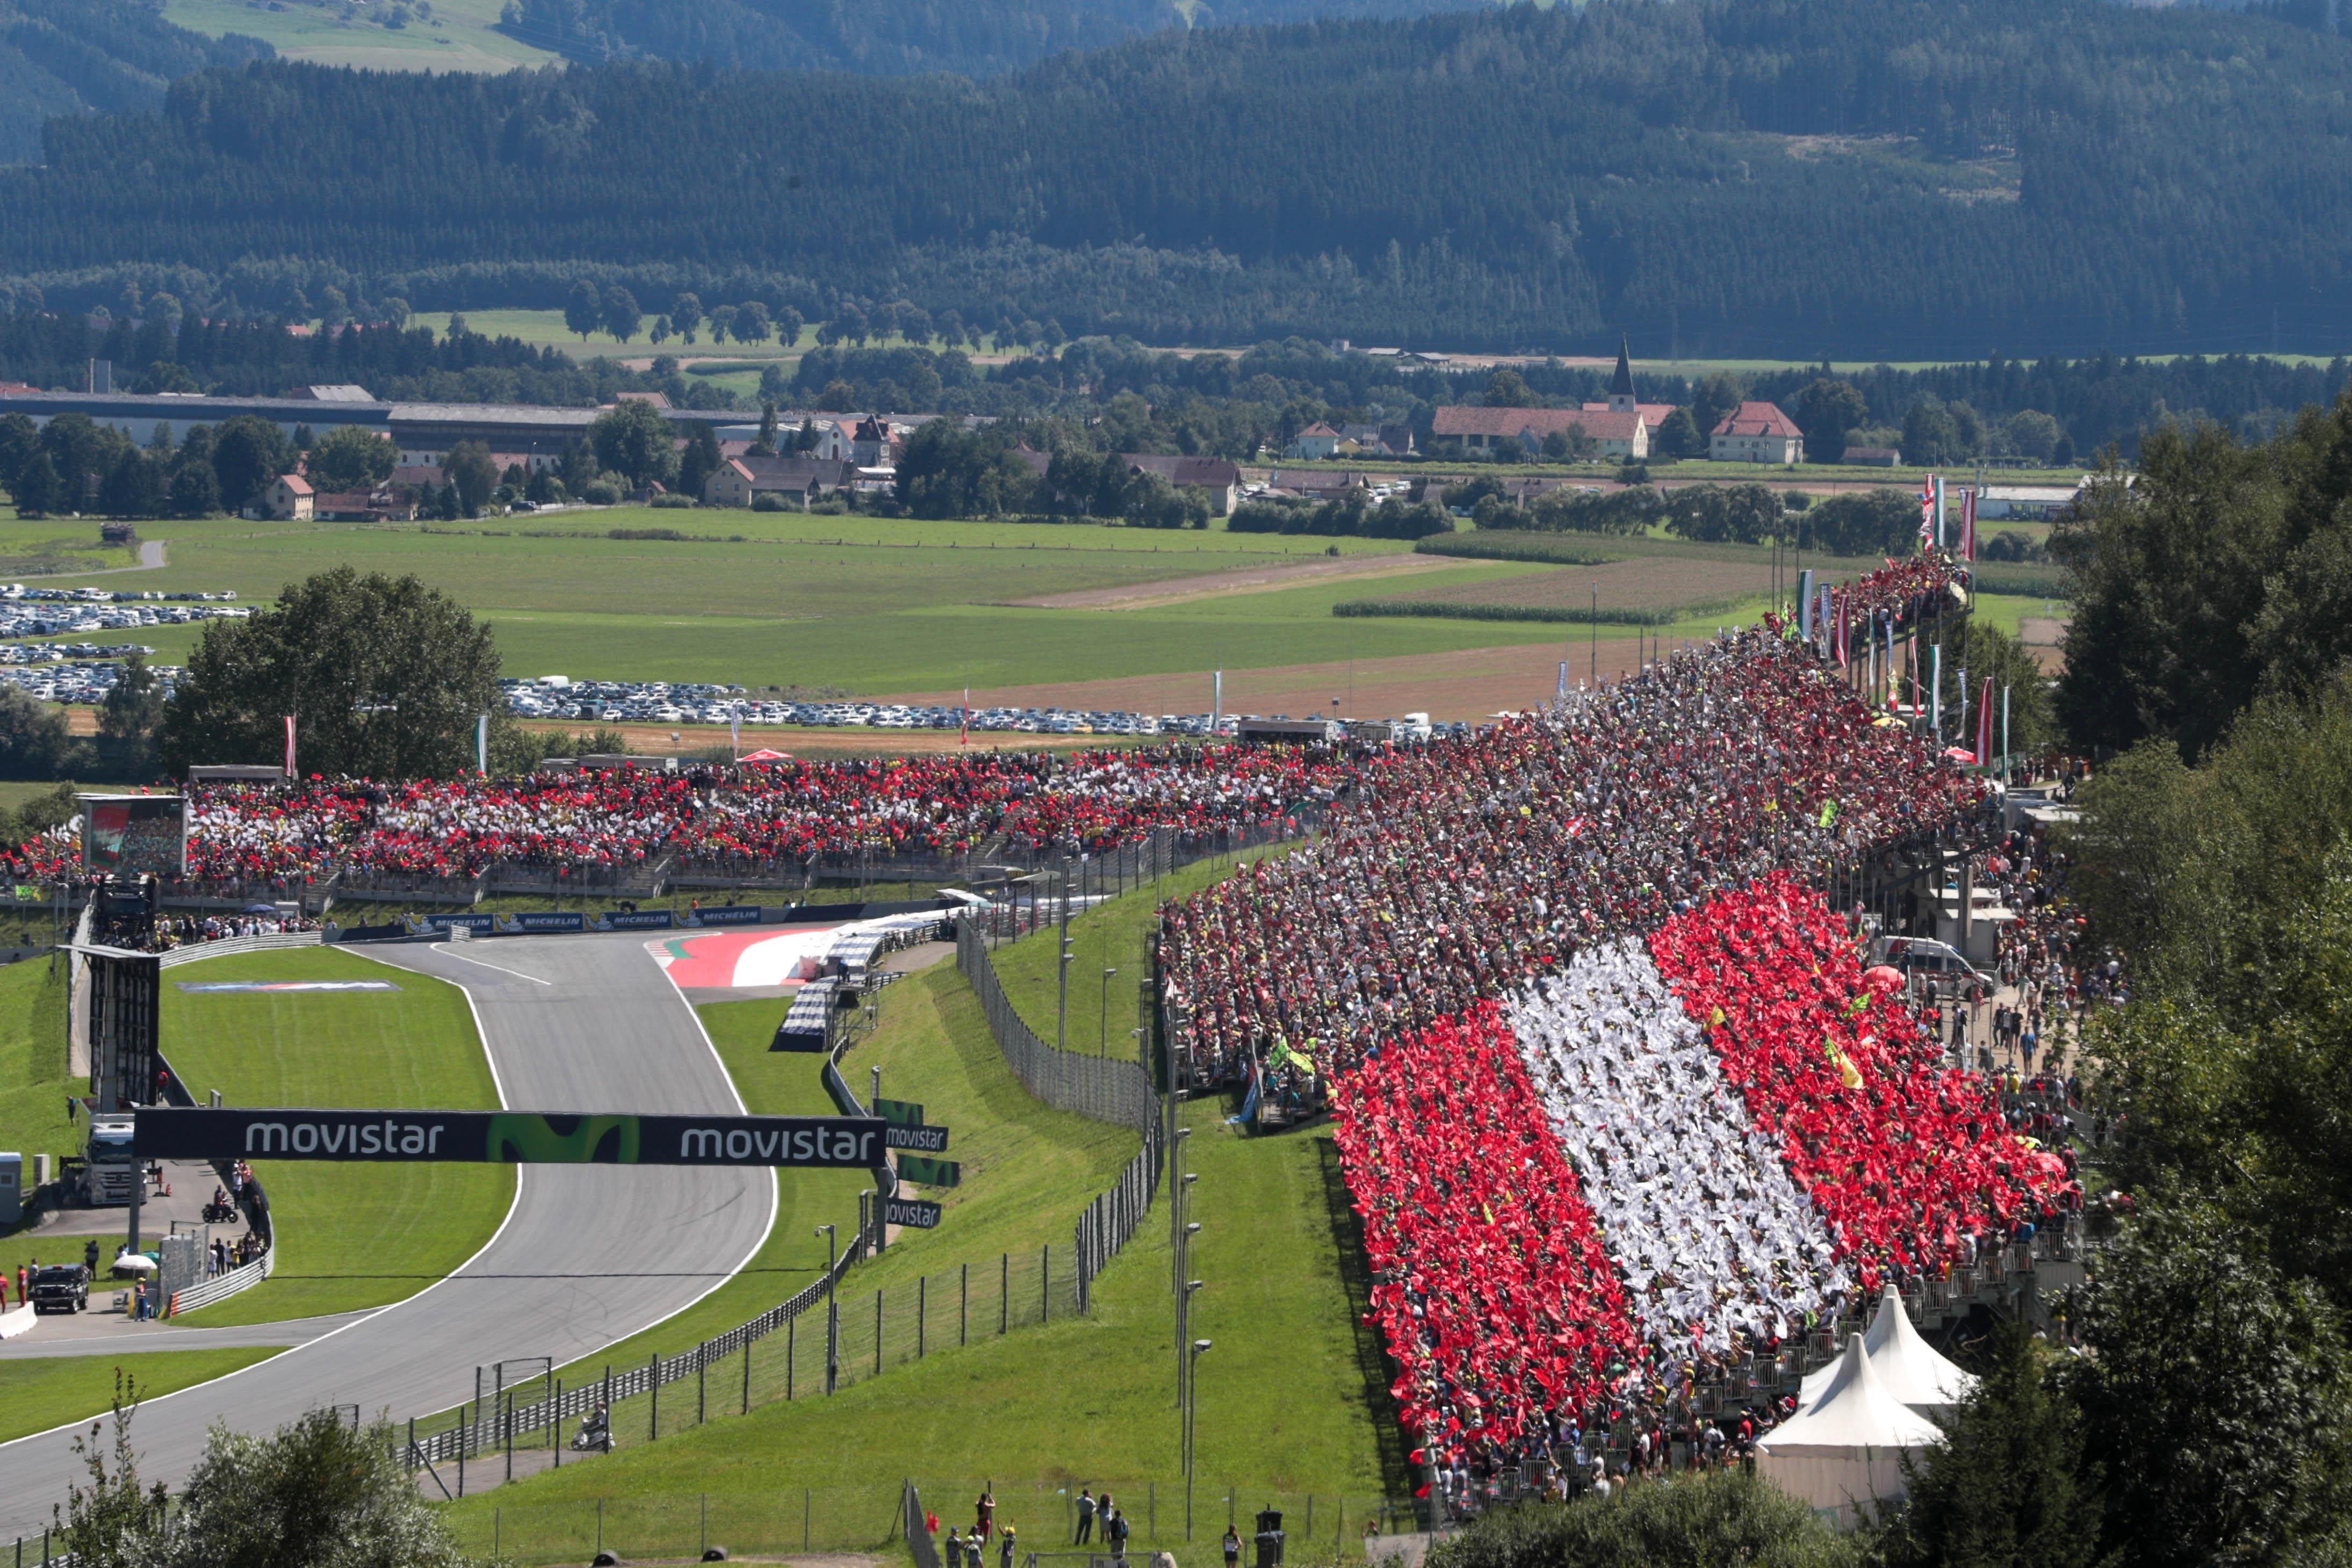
[1242, 580]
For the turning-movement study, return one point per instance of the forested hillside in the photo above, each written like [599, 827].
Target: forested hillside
[1861, 178]
[68, 57]
[977, 37]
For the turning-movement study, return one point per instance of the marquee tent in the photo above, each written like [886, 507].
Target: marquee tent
[1845, 1448]
[1906, 1364]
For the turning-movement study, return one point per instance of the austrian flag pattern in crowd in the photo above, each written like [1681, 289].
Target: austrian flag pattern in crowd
[1675, 1146]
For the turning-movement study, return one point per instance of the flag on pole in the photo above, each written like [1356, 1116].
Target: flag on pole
[289, 746]
[482, 744]
[1216, 701]
[1969, 523]
[735, 732]
[963, 735]
[1939, 511]
[1984, 725]
[1926, 512]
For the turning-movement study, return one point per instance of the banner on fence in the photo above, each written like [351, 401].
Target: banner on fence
[546, 920]
[726, 914]
[903, 1112]
[506, 1137]
[911, 1212]
[930, 1172]
[922, 1140]
[636, 920]
[481, 924]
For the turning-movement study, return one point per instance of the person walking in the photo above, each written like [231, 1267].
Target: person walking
[1086, 1517]
[1233, 1548]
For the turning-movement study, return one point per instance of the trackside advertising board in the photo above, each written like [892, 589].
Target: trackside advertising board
[507, 1138]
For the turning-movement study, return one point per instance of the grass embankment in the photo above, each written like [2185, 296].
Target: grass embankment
[41, 1393]
[34, 1081]
[349, 1236]
[1292, 1400]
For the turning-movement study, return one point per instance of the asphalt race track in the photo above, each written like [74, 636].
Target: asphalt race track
[587, 1256]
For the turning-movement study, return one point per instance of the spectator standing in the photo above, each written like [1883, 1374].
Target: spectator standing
[1086, 1517]
[1004, 1548]
[1232, 1547]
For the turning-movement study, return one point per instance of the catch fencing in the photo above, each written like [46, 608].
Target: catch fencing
[1100, 1087]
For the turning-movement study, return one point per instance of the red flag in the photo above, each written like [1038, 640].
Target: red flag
[1969, 523]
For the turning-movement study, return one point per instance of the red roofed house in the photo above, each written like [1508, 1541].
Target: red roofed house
[288, 499]
[1621, 433]
[1756, 432]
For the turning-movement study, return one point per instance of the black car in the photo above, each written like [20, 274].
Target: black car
[61, 1288]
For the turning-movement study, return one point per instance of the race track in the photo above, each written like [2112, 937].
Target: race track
[588, 1254]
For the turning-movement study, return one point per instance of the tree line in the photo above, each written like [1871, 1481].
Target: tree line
[1545, 178]
[78, 57]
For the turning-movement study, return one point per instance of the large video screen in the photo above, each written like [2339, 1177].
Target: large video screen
[130, 835]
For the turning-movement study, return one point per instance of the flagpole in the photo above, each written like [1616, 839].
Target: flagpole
[2004, 734]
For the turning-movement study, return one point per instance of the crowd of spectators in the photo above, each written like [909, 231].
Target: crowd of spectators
[1474, 864]
[1614, 1097]
[735, 817]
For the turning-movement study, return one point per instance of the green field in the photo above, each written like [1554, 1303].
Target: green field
[348, 1235]
[39, 1393]
[457, 37]
[930, 601]
[33, 1079]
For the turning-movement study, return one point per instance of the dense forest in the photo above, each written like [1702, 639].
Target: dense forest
[1766, 177]
[70, 56]
[975, 38]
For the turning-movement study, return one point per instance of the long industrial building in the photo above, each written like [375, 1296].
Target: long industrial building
[424, 431]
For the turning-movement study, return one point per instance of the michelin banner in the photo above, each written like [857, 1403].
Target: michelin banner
[507, 1138]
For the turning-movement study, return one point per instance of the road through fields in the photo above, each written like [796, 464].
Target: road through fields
[588, 1255]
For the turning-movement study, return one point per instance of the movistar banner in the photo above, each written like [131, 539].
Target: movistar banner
[507, 1138]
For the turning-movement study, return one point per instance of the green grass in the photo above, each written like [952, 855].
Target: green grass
[38, 1393]
[930, 597]
[33, 1088]
[349, 1236]
[459, 36]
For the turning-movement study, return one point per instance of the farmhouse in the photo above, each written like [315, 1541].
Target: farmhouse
[2021, 503]
[1756, 432]
[800, 480]
[288, 499]
[1620, 433]
[1219, 479]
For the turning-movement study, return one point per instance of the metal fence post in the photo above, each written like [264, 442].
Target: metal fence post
[653, 1383]
[963, 1307]
[748, 1342]
[877, 1332]
[1004, 1295]
[922, 1314]
[701, 1387]
[1046, 1283]
[792, 1348]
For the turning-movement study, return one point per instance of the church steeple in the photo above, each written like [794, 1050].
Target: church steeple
[1621, 385]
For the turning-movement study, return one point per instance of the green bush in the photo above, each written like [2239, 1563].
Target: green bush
[769, 501]
[600, 493]
[1687, 1522]
[672, 503]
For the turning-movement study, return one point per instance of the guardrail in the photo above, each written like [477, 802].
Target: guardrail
[229, 947]
[221, 1287]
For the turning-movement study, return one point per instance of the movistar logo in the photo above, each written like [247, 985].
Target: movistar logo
[530, 1139]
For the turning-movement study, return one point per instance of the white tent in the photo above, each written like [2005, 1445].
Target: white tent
[1846, 1448]
[1906, 1364]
